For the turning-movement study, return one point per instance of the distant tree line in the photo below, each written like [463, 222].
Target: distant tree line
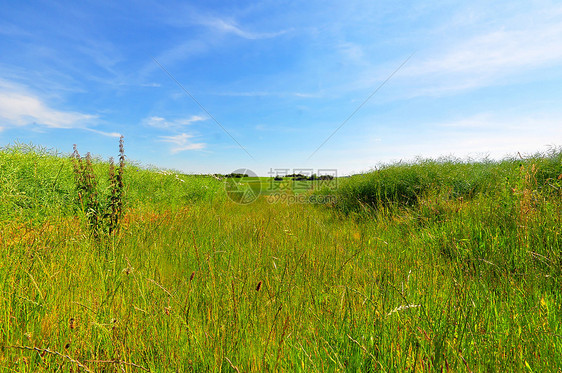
[301, 177]
[231, 175]
[296, 177]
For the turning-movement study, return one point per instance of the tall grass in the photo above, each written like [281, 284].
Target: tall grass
[37, 183]
[404, 184]
[195, 282]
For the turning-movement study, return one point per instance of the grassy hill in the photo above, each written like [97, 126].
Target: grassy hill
[434, 265]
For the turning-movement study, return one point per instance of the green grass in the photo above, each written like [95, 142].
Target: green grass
[407, 183]
[37, 183]
[437, 265]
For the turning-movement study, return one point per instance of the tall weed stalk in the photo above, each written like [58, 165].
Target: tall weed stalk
[101, 216]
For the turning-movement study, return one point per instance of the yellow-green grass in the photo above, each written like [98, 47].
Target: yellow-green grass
[205, 284]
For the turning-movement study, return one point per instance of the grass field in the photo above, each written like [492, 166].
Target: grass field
[438, 265]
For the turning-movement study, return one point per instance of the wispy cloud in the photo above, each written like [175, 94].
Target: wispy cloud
[163, 123]
[19, 108]
[269, 94]
[276, 129]
[487, 57]
[103, 133]
[204, 43]
[153, 85]
[182, 142]
[227, 26]
[181, 51]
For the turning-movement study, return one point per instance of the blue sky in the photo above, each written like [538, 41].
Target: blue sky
[279, 77]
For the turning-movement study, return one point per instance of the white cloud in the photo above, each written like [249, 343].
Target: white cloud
[19, 109]
[230, 27]
[182, 142]
[103, 133]
[156, 122]
[520, 44]
[307, 95]
[160, 122]
[203, 44]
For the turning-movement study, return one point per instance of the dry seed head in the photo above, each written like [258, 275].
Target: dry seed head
[192, 275]
[259, 286]
[121, 152]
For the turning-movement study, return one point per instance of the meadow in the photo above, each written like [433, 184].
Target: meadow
[434, 265]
